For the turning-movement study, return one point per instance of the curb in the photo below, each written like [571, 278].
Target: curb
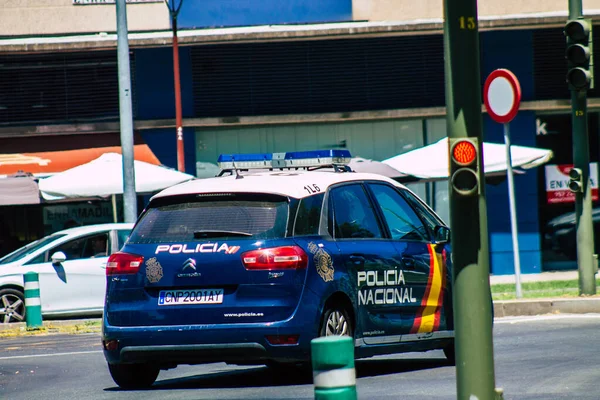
[68, 326]
[513, 308]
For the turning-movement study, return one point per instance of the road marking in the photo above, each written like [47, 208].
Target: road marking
[50, 355]
[516, 320]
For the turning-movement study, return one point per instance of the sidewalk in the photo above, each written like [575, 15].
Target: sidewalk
[541, 277]
[576, 305]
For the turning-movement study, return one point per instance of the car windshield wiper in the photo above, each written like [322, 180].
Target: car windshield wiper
[211, 234]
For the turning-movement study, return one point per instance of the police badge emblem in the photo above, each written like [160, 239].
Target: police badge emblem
[323, 262]
[154, 270]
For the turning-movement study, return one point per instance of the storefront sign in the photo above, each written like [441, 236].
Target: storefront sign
[61, 217]
[557, 183]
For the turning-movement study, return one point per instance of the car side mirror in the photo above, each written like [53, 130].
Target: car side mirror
[441, 234]
[58, 257]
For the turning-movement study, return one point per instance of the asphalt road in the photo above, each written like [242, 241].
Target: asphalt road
[551, 357]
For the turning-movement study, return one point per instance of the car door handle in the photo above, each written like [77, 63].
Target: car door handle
[357, 260]
[103, 265]
[409, 262]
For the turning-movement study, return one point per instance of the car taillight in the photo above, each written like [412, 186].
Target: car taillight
[123, 263]
[285, 257]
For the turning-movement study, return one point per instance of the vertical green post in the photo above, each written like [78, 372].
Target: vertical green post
[334, 376]
[583, 198]
[33, 304]
[468, 216]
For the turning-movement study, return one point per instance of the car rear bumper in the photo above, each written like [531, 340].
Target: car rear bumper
[245, 343]
[193, 354]
[236, 343]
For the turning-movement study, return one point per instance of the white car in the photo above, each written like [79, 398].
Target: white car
[72, 271]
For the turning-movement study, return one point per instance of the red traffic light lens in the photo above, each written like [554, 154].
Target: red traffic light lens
[464, 152]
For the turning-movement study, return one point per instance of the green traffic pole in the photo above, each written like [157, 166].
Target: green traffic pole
[468, 215]
[334, 375]
[583, 199]
[33, 304]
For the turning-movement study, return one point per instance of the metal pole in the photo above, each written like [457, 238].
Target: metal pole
[468, 216]
[583, 199]
[126, 114]
[513, 211]
[174, 11]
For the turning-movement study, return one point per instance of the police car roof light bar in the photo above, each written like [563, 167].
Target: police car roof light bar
[296, 159]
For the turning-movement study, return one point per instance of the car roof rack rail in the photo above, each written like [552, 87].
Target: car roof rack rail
[306, 160]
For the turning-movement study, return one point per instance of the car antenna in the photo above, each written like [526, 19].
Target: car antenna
[237, 173]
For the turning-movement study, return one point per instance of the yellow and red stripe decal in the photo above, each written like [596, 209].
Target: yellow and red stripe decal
[428, 316]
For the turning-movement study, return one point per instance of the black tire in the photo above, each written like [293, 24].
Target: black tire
[328, 322]
[133, 376]
[450, 353]
[12, 306]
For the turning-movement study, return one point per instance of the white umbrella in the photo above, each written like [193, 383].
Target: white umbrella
[431, 162]
[103, 177]
[359, 164]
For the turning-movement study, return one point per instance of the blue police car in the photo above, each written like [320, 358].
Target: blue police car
[250, 266]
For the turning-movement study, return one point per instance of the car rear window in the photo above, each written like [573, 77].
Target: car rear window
[259, 216]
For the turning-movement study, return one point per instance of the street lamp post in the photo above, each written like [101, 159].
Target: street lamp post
[174, 11]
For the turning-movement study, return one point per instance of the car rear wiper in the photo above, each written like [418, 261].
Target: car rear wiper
[211, 234]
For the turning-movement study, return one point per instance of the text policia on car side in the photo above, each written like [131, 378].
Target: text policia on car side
[249, 266]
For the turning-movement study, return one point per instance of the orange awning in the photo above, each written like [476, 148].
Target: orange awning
[51, 162]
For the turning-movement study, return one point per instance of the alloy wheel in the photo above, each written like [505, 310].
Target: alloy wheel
[336, 325]
[12, 308]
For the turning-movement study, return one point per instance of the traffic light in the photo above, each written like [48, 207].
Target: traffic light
[464, 166]
[575, 181]
[579, 54]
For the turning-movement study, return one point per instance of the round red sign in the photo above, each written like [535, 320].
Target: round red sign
[502, 95]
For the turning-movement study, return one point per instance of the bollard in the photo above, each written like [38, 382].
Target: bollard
[33, 304]
[334, 376]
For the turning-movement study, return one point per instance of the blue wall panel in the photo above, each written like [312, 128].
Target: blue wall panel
[512, 50]
[156, 100]
[155, 83]
[220, 13]
[163, 143]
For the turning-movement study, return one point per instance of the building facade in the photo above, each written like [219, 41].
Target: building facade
[367, 75]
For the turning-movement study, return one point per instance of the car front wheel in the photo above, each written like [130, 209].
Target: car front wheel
[133, 376]
[12, 306]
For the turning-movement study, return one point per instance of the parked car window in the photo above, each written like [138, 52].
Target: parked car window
[309, 215]
[353, 214]
[84, 247]
[41, 258]
[96, 246]
[401, 219]
[30, 248]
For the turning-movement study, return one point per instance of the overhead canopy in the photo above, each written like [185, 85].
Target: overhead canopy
[103, 177]
[47, 163]
[359, 164]
[431, 162]
[19, 190]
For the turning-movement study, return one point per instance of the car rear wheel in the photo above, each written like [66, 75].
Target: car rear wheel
[336, 322]
[133, 376]
[12, 306]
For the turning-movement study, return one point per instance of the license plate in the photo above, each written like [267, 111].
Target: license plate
[198, 296]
